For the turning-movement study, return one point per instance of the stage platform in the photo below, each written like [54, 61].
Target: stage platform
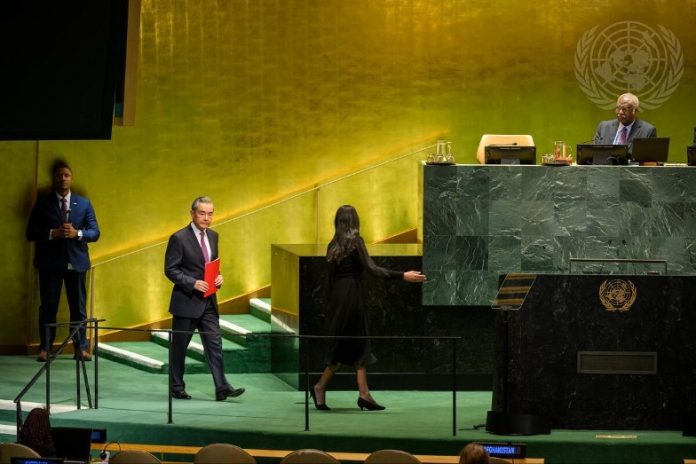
[270, 415]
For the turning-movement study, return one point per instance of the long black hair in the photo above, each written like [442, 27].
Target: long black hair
[347, 224]
[36, 432]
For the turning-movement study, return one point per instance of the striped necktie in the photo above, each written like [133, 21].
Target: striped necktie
[622, 136]
[206, 257]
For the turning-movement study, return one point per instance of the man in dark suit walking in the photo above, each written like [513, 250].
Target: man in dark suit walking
[626, 126]
[188, 251]
[61, 224]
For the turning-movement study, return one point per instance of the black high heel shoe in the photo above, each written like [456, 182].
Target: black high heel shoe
[369, 405]
[320, 407]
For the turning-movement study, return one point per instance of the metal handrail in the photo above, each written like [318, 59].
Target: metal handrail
[86, 323]
[46, 367]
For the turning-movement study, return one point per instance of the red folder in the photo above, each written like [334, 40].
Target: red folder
[212, 270]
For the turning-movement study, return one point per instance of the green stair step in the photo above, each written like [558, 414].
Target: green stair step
[227, 345]
[195, 348]
[8, 431]
[261, 308]
[238, 327]
[147, 356]
[9, 415]
[247, 321]
[254, 357]
[242, 350]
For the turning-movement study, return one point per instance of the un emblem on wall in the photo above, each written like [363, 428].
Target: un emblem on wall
[629, 56]
[617, 294]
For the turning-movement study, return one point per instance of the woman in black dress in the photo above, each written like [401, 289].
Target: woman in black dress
[348, 259]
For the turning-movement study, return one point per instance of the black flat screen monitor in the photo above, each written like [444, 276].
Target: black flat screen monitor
[691, 155]
[510, 154]
[602, 154]
[650, 150]
[72, 443]
[63, 65]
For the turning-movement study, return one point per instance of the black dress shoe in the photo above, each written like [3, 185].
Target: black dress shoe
[231, 392]
[42, 357]
[369, 405]
[320, 407]
[181, 395]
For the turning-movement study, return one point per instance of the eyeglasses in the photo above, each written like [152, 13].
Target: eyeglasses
[624, 109]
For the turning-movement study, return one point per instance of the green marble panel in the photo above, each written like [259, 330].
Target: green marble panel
[602, 219]
[636, 190]
[460, 288]
[453, 253]
[690, 244]
[602, 183]
[690, 218]
[504, 217]
[472, 217]
[571, 217]
[563, 251]
[505, 182]
[537, 254]
[538, 218]
[481, 221]
[505, 252]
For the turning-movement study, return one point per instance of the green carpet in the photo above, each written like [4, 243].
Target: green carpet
[133, 408]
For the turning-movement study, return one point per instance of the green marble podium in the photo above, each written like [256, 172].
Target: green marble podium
[480, 221]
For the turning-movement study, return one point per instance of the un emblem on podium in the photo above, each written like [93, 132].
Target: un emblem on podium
[629, 56]
[617, 294]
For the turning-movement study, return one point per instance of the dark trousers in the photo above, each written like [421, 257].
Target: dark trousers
[50, 284]
[212, 347]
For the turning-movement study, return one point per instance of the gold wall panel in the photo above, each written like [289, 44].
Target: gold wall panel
[16, 273]
[252, 101]
[386, 199]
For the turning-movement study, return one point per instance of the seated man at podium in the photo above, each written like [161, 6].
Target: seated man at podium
[626, 126]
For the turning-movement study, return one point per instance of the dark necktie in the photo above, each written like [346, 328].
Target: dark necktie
[204, 248]
[622, 136]
[64, 208]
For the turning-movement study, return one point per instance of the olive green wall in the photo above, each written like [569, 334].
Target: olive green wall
[253, 101]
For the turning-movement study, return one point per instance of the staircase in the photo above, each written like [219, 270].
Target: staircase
[8, 425]
[243, 349]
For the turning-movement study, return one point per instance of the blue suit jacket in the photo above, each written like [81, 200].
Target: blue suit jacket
[56, 253]
[606, 131]
[183, 265]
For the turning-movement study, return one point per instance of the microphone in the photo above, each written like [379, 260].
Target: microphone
[104, 455]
